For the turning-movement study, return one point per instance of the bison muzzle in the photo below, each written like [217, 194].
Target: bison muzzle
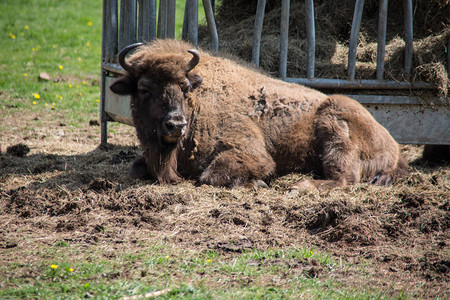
[223, 123]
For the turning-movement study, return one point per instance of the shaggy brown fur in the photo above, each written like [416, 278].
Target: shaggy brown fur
[243, 126]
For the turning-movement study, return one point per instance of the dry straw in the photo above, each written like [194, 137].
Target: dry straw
[333, 19]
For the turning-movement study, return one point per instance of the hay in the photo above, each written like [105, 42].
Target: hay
[333, 19]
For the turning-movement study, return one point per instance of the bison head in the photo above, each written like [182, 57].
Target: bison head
[158, 84]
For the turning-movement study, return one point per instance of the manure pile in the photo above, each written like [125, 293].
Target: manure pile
[333, 19]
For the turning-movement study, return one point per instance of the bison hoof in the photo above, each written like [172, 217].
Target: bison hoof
[383, 180]
[306, 184]
[257, 183]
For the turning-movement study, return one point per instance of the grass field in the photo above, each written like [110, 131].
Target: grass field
[74, 225]
[62, 39]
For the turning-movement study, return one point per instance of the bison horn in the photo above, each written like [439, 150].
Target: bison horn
[194, 60]
[123, 53]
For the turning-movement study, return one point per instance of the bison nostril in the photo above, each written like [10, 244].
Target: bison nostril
[169, 127]
[180, 125]
[174, 128]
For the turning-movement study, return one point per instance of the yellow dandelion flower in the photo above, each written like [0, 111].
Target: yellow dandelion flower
[60, 67]
[70, 269]
[53, 104]
[52, 107]
[53, 46]
[89, 23]
[25, 75]
[36, 95]
[46, 104]
[79, 58]
[70, 85]
[54, 267]
[84, 82]
[34, 49]
[98, 100]
[34, 102]
[209, 261]
[26, 27]
[12, 36]
[88, 44]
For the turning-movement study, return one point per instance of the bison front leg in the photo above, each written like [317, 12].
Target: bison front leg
[138, 169]
[234, 167]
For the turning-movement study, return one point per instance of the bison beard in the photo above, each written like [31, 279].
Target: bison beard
[240, 126]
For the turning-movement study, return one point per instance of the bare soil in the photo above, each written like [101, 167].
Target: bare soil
[66, 188]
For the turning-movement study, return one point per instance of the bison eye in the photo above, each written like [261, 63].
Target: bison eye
[145, 93]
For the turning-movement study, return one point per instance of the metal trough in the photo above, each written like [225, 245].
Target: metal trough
[408, 119]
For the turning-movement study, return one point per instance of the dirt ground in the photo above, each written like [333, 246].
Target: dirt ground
[66, 188]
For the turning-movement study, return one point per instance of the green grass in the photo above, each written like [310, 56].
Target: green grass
[63, 39]
[87, 271]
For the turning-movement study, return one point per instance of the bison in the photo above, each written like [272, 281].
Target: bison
[224, 123]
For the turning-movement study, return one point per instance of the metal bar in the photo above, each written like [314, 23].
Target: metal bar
[162, 19]
[357, 15]
[147, 20]
[127, 26]
[103, 121]
[103, 116]
[284, 35]
[192, 24]
[105, 22]
[209, 13]
[332, 83]
[171, 8]
[409, 45]
[106, 31]
[256, 43]
[311, 38]
[142, 32]
[360, 84]
[185, 21]
[110, 31]
[381, 47]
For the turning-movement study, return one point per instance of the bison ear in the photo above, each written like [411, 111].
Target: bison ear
[195, 80]
[124, 86]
